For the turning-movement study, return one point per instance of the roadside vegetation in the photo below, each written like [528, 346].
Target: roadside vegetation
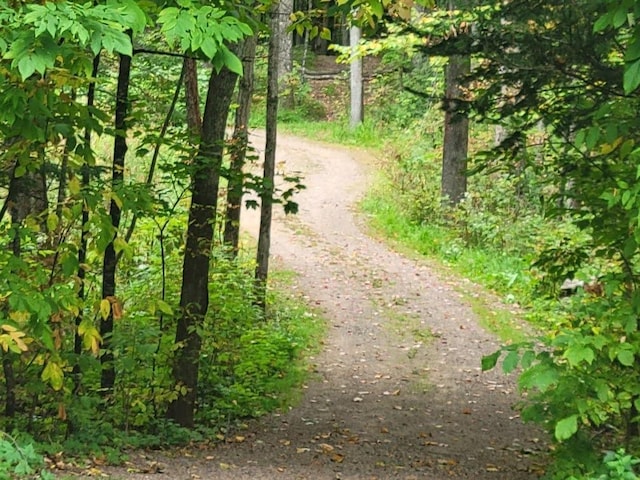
[520, 233]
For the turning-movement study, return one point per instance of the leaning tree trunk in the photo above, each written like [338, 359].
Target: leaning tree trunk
[194, 296]
[266, 195]
[456, 133]
[240, 143]
[108, 375]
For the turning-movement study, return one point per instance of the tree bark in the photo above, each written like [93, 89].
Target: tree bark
[266, 196]
[194, 295]
[285, 49]
[456, 133]
[240, 142]
[108, 375]
[192, 97]
[357, 102]
[84, 232]
[285, 38]
[10, 406]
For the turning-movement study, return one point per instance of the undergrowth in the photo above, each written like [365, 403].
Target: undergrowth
[514, 236]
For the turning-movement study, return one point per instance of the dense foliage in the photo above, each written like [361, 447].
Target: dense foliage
[96, 177]
[557, 194]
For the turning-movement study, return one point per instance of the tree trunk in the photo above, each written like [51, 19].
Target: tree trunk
[285, 52]
[266, 196]
[84, 231]
[240, 143]
[10, 385]
[192, 97]
[357, 102]
[456, 133]
[108, 375]
[194, 295]
[284, 38]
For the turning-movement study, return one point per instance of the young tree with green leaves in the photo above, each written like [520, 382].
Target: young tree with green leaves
[205, 180]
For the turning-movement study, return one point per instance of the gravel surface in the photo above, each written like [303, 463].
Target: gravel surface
[397, 391]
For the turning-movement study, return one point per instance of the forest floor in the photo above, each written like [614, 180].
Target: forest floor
[397, 390]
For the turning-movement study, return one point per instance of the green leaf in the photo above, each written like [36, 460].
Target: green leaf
[541, 377]
[510, 362]
[620, 17]
[626, 357]
[489, 361]
[603, 22]
[231, 61]
[26, 67]
[602, 390]
[577, 354]
[566, 428]
[633, 51]
[209, 47]
[527, 359]
[593, 135]
[631, 76]
[164, 307]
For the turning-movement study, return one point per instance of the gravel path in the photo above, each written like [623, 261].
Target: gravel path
[398, 392]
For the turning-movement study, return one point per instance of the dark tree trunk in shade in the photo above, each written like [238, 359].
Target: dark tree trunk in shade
[194, 295]
[192, 97]
[84, 232]
[266, 196]
[456, 133]
[108, 376]
[10, 385]
[239, 143]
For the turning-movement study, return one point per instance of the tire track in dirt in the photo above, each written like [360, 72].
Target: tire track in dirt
[397, 390]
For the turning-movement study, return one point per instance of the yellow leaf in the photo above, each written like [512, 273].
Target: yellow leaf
[105, 308]
[52, 221]
[19, 316]
[74, 185]
[337, 457]
[17, 340]
[53, 374]
[607, 148]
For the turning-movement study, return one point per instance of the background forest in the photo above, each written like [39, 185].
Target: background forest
[132, 315]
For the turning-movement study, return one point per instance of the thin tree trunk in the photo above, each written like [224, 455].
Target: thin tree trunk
[10, 386]
[266, 196]
[456, 133]
[156, 151]
[108, 376]
[240, 143]
[84, 231]
[357, 102]
[194, 295]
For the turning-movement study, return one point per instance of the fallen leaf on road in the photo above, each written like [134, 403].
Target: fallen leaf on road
[337, 457]
[326, 448]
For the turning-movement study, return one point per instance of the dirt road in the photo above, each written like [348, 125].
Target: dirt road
[398, 391]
